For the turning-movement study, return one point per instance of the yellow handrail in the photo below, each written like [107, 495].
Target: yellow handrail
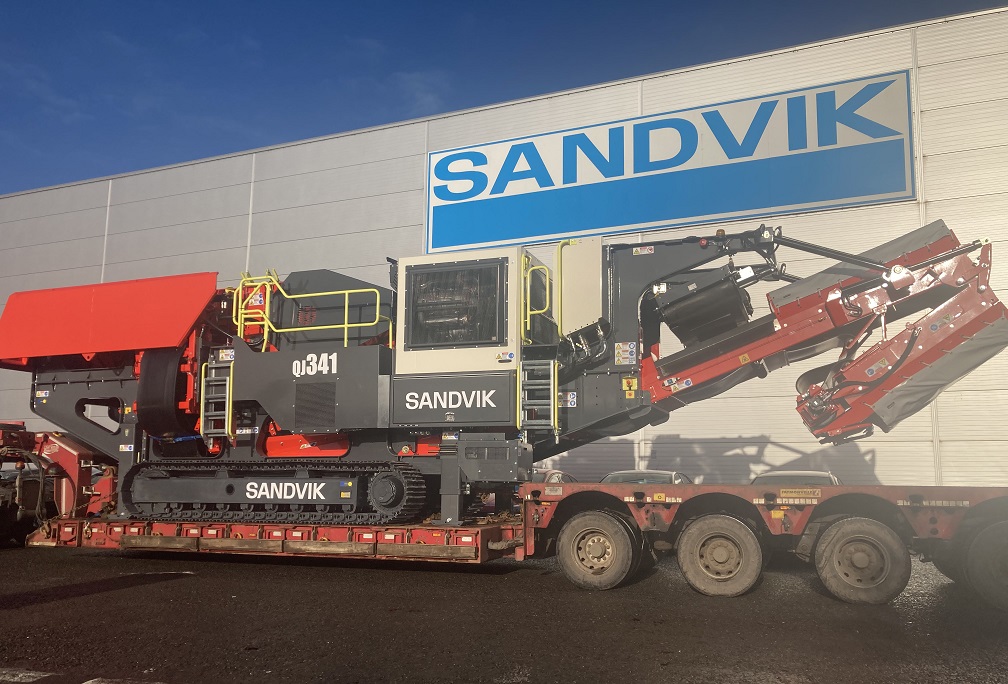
[559, 281]
[519, 417]
[243, 316]
[202, 389]
[554, 392]
[529, 311]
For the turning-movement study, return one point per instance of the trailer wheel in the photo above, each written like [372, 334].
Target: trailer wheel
[987, 565]
[860, 560]
[949, 564]
[595, 550]
[950, 560]
[720, 556]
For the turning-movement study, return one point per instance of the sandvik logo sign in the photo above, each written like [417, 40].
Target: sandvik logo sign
[829, 146]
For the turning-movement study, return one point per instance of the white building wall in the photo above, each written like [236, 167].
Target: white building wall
[346, 202]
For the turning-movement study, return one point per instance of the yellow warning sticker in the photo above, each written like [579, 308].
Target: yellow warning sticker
[659, 496]
[630, 383]
[776, 514]
[344, 495]
[744, 358]
[630, 394]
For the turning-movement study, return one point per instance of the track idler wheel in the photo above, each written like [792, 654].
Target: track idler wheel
[397, 494]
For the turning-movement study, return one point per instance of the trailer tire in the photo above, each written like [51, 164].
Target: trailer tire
[951, 558]
[595, 550]
[720, 556]
[642, 552]
[861, 560]
[986, 567]
[950, 564]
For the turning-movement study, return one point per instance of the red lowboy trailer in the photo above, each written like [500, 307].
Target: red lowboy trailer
[324, 416]
[859, 537]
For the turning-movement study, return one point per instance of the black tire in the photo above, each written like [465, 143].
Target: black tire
[986, 567]
[595, 550]
[950, 559]
[862, 561]
[644, 556]
[720, 556]
[950, 563]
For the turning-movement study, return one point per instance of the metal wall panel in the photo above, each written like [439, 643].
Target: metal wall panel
[551, 113]
[908, 463]
[57, 256]
[766, 74]
[40, 280]
[53, 201]
[969, 414]
[393, 142]
[15, 380]
[348, 182]
[182, 219]
[191, 207]
[942, 130]
[975, 217]
[42, 230]
[14, 404]
[963, 82]
[348, 216]
[182, 239]
[965, 174]
[971, 463]
[224, 261]
[339, 252]
[963, 38]
[179, 180]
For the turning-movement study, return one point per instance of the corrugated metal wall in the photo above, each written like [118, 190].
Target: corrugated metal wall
[348, 201]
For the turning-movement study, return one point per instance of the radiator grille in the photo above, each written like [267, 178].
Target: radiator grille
[315, 405]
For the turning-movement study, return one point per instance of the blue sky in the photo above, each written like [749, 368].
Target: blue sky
[91, 89]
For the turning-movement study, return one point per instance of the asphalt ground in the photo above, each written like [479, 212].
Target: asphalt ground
[69, 616]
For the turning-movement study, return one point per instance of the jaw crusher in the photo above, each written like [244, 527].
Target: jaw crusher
[321, 398]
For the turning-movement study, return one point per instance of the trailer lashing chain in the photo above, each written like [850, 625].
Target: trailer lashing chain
[251, 512]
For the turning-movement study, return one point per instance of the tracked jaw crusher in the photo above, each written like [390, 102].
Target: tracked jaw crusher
[322, 399]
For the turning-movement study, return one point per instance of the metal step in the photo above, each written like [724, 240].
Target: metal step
[538, 394]
[215, 395]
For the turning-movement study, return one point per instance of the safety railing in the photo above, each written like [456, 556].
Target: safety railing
[253, 300]
[528, 311]
[558, 312]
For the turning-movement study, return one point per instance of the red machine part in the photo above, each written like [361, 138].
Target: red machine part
[276, 443]
[426, 445]
[846, 406]
[108, 317]
[965, 305]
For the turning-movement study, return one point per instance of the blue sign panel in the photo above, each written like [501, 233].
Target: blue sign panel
[816, 148]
